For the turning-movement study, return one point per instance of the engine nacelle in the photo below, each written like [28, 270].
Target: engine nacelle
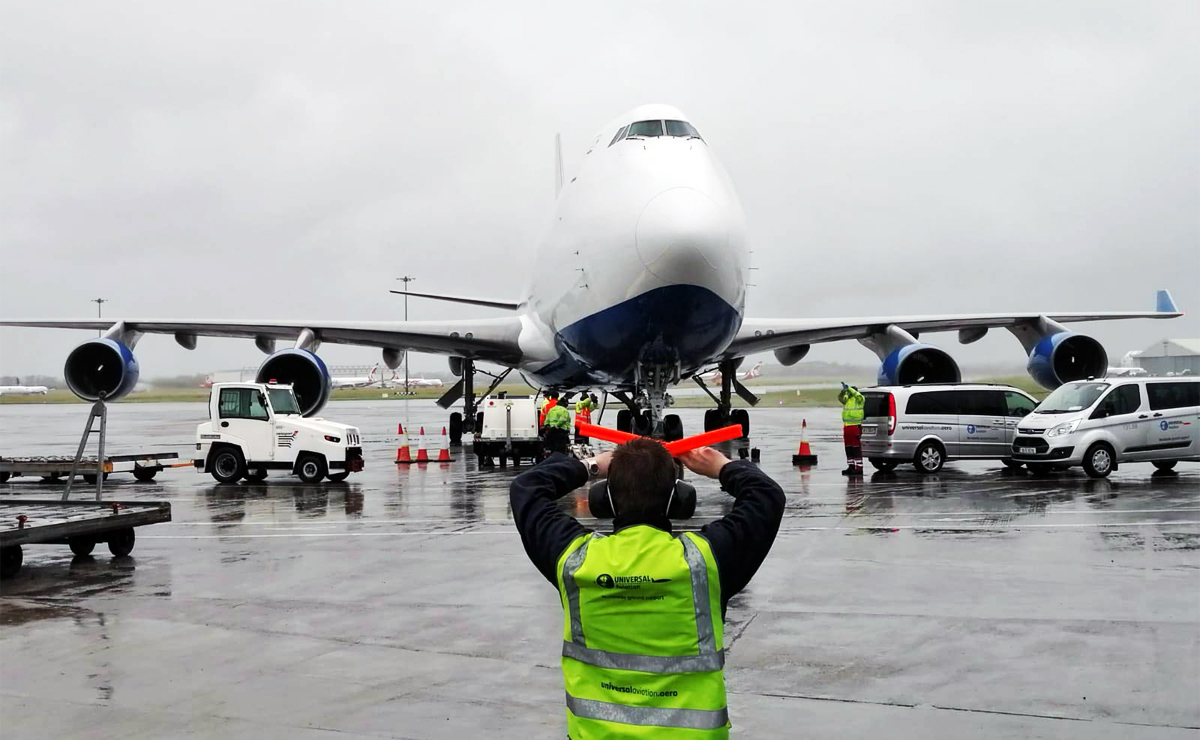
[1066, 356]
[101, 366]
[918, 364]
[304, 371]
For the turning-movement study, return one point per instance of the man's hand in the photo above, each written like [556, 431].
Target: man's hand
[705, 461]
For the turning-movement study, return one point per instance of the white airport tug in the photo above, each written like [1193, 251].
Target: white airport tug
[254, 428]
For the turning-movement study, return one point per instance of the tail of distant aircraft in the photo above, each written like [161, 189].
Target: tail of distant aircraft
[753, 372]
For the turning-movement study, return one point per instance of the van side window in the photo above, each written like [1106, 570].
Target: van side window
[1173, 395]
[1016, 405]
[981, 403]
[1124, 399]
[933, 402]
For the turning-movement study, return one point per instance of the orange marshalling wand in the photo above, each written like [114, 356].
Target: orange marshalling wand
[676, 448]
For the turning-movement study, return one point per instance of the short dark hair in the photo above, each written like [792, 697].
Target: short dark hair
[641, 476]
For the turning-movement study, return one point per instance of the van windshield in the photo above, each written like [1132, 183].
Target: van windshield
[1072, 397]
[283, 401]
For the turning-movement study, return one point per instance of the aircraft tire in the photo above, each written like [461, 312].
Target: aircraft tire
[741, 416]
[456, 428]
[672, 427]
[624, 420]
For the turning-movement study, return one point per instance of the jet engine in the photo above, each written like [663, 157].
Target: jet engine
[917, 364]
[304, 371]
[1065, 356]
[101, 366]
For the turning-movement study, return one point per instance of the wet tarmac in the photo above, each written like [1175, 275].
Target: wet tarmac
[980, 602]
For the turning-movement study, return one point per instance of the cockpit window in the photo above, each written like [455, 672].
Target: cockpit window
[620, 135]
[646, 128]
[682, 128]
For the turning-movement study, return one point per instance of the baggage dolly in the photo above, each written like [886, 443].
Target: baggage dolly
[78, 524]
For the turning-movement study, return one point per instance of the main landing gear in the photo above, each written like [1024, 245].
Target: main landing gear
[471, 417]
[724, 414]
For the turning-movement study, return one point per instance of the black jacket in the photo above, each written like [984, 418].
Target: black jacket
[740, 540]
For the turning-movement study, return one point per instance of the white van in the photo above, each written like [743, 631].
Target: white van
[1100, 424]
[926, 425]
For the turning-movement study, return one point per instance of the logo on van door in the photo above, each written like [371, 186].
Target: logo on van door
[1164, 426]
[970, 429]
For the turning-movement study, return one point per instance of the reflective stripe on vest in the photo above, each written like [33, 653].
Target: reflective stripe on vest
[688, 719]
[683, 689]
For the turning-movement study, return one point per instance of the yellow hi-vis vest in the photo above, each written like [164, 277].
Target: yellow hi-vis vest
[852, 407]
[643, 638]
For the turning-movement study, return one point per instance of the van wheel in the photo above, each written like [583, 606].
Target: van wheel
[1165, 465]
[311, 468]
[227, 465]
[1098, 462]
[883, 465]
[930, 458]
[1010, 463]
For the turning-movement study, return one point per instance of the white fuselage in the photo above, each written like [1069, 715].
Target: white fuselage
[23, 390]
[646, 247]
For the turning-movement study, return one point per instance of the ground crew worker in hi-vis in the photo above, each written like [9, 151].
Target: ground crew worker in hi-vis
[557, 428]
[852, 418]
[643, 608]
[550, 402]
[583, 414]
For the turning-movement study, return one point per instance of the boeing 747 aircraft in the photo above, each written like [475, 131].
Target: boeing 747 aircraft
[652, 229]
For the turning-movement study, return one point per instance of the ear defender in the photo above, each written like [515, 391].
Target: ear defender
[680, 505]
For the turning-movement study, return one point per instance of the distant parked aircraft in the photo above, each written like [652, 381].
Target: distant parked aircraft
[23, 390]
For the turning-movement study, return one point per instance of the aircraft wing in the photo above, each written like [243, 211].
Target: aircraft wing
[762, 335]
[491, 340]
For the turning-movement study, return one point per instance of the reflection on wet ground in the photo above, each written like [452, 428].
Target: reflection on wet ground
[977, 602]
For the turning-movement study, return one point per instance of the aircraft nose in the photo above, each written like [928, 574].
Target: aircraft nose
[683, 237]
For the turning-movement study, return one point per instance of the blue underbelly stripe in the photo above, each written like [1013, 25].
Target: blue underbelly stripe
[604, 347]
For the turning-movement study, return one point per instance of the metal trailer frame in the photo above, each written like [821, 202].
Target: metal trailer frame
[144, 465]
[79, 524]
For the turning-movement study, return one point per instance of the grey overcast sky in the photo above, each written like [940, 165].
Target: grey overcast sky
[289, 159]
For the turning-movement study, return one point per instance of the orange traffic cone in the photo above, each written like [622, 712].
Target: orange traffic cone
[444, 451]
[422, 453]
[804, 456]
[403, 456]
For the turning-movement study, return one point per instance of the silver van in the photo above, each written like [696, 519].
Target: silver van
[1100, 424]
[926, 425]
